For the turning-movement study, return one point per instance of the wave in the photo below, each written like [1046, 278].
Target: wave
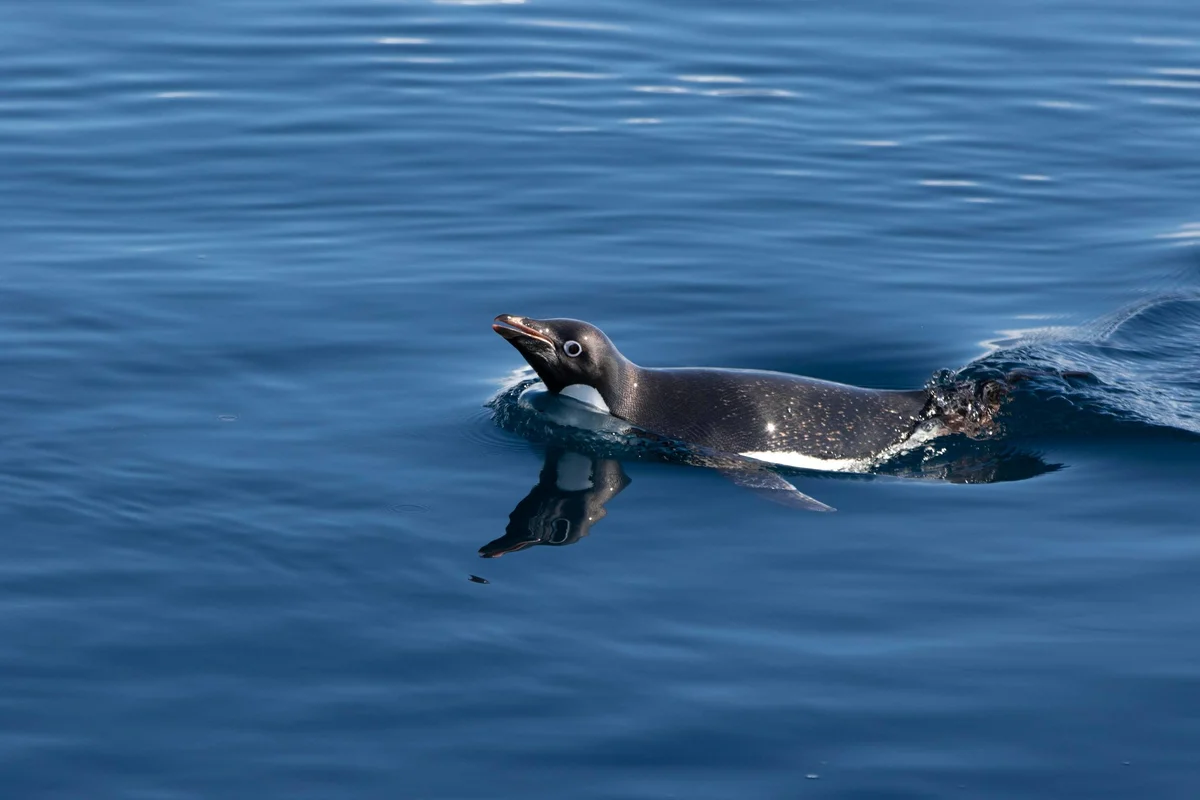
[1137, 367]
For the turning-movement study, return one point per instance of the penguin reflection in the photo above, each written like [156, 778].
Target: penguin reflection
[573, 489]
[568, 499]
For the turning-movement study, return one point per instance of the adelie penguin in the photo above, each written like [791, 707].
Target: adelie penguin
[745, 416]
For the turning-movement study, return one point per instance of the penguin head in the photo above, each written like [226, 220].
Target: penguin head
[564, 352]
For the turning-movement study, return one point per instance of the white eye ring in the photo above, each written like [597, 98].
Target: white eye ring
[572, 348]
[559, 533]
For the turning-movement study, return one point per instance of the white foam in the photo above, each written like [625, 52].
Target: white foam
[662, 89]
[948, 183]
[586, 395]
[749, 93]
[712, 79]
[1184, 234]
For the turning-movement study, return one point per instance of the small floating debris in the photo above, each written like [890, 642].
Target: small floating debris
[477, 579]
[227, 417]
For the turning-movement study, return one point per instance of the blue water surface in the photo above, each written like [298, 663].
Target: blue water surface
[250, 255]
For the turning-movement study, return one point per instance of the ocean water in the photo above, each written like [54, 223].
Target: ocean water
[256, 429]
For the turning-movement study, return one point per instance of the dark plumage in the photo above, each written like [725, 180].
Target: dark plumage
[726, 410]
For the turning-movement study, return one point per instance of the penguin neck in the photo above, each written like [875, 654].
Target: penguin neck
[620, 388]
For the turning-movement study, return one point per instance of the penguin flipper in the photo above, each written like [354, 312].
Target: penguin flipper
[771, 486]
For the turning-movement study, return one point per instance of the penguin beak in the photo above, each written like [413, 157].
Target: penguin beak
[499, 547]
[514, 328]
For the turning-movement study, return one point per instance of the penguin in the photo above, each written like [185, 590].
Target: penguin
[760, 416]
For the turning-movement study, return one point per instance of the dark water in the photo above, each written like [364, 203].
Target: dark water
[250, 254]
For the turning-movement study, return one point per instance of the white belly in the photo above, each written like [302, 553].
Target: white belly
[801, 461]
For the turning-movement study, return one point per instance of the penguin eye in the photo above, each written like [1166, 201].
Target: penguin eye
[560, 529]
[572, 348]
